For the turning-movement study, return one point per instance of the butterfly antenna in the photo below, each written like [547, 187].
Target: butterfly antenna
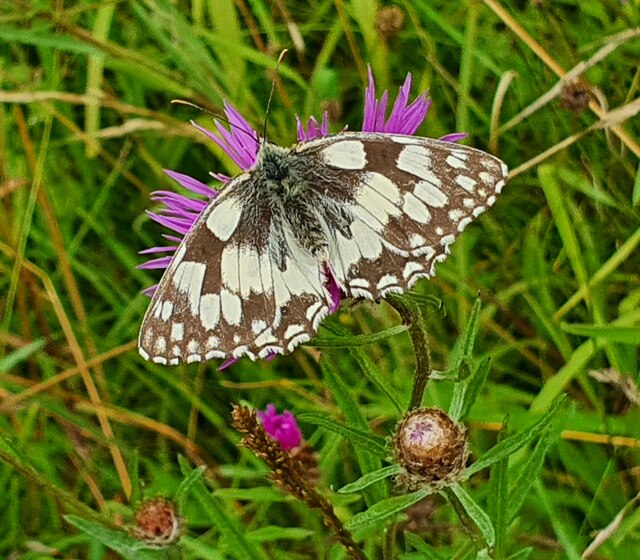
[273, 87]
[219, 116]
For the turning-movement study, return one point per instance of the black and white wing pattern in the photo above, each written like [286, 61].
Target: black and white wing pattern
[413, 196]
[377, 210]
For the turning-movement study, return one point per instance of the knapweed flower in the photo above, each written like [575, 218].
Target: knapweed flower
[157, 522]
[431, 449]
[281, 427]
[242, 144]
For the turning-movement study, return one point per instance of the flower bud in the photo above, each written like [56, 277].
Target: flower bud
[281, 427]
[431, 448]
[389, 21]
[157, 522]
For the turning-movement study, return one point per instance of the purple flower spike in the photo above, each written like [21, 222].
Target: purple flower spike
[281, 427]
[404, 119]
[314, 129]
[454, 137]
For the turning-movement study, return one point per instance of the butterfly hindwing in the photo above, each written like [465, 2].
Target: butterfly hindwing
[410, 197]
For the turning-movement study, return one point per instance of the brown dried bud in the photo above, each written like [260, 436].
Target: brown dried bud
[431, 448]
[389, 22]
[157, 522]
[575, 96]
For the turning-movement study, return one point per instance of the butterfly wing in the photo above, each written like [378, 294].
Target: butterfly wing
[409, 198]
[236, 286]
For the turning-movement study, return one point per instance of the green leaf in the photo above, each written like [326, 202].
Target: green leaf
[257, 494]
[466, 392]
[498, 498]
[358, 438]
[186, 485]
[357, 340]
[274, 533]
[476, 513]
[386, 509]
[21, 354]
[529, 473]
[425, 549]
[612, 333]
[370, 478]
[121, 542]
[522, 554]
[513, 443]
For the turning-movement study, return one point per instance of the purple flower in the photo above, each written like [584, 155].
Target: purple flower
[242, 144]
[281, 427]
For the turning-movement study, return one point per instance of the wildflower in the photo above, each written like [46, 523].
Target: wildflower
[281, 427]
[157, 522]
[430, 447]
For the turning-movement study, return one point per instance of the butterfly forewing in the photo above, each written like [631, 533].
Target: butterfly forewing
[378, 210]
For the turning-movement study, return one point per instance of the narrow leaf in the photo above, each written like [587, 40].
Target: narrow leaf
[513, 443]
[385, 509]
[358, 339]
[476, 513]
[370, 478]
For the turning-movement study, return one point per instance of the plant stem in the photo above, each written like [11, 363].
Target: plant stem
[412, 316]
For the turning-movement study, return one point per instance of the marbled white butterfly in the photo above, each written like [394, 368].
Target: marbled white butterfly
[375, 211]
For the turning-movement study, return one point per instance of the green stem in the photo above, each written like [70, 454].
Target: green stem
[467, 522]
[411, 316]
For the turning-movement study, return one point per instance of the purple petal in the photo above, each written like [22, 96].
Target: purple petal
[332, 287]
[281, 427]
[150, 290]
[314, 129]
[168, 249]
[179, 225]
[454, 137]
[191, 184]
[228, 362]
[162, 262]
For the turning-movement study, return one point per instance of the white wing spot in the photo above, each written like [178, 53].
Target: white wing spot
[499, 186]
[213, 342]
[478, 210]
[455, 162]
[416, 240]
[469, 203]
[455, 214]
[387, 281]
[464, 223]
[416, 209]
[265, 338]
[193, 358]
[405, 139]
[258, 325]
[293, 330]
[491, 200]
[416, 160]
[160, 345]
[410, 268]
[210, 311]
[359, 283]
[177, 332]
[304, 337]
[487, 178]
[188, 279]
[167, 310]
[430, 193]
[193, 346]
[447, 240]
[231, 307]
[378, 206]
[143, 353]
[224, 218]
[439, 231]
[368, 242]
[467, 183]
[346, 154]
[313, 309]
[160, 360]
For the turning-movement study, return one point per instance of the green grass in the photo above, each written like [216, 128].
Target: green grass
[88, 429]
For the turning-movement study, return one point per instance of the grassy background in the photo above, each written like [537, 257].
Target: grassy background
[86, 127]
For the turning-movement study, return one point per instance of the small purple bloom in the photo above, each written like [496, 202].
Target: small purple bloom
[281, 427]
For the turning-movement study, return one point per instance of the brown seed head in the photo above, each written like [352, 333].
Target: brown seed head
[575, 96]
[389, 22]
[430, 447]
[157, 522]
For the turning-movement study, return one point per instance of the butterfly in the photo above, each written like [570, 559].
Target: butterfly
[370, 212]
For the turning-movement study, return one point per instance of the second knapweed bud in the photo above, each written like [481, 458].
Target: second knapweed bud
[431, 449]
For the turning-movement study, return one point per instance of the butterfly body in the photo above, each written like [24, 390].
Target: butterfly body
[371, 212]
